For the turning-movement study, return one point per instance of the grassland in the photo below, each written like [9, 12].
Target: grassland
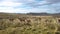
[27, 24]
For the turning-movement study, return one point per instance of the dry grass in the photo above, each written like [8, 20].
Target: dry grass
[30, 25]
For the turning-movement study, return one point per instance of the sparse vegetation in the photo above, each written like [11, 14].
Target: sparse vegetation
[29, 25]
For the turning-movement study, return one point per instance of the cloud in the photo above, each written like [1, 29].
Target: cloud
[6, 9]
[24, 6]
[54, 5]
[30, 3]
[37, 3]
[8, 6]
[8, 3]
[53, 1]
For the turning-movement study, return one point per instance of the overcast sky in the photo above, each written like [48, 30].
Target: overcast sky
[25, 6]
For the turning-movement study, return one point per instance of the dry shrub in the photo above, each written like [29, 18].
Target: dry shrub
[30, 25]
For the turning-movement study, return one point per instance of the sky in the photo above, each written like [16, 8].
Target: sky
[26, 6]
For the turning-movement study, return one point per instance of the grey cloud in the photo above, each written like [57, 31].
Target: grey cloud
[24, 1]
[35, 3]
[31, 3]
[55, 7]
[53, 1]
[48, 2]
[54, 4]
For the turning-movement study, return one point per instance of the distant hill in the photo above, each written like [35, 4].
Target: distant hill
[44, 14]
[35, 14]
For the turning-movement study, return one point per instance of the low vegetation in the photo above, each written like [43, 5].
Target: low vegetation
[29, 25]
